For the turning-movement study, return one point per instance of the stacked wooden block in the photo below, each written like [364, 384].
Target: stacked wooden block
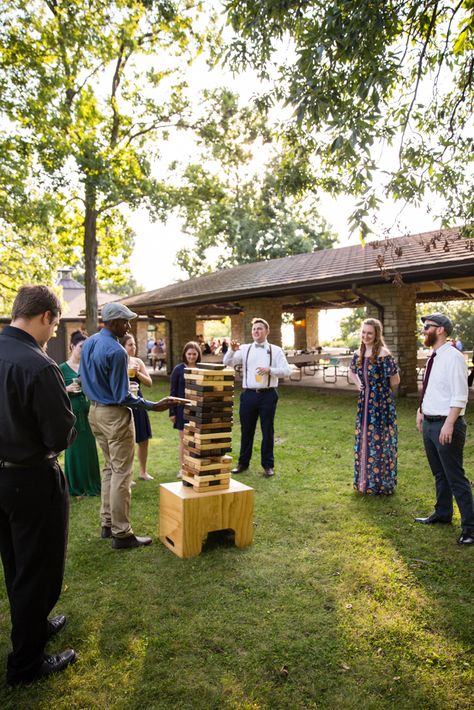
[208, 433]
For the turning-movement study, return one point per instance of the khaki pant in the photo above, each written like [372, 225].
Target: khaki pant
[114, 430]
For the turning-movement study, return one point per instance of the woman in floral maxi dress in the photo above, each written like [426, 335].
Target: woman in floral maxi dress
[375, 373]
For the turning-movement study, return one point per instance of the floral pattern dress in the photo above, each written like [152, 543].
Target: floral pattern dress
[375, 469]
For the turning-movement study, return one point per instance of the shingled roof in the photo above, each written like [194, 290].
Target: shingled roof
[416, 257]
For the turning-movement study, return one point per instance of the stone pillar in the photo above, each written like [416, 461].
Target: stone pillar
[312, 328]
[305, 327]
[200, 327]
[399, 304]
[237, 327]
[267, 308]
[181, 329]
[141, 338]
[299, 328]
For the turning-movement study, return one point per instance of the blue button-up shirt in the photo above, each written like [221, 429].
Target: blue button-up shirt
[104, 372]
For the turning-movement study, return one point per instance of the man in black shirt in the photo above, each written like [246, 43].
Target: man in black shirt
[36, 423]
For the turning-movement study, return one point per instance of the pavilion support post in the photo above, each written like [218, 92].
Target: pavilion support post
[400, 328]
[182, 327]
[141, 337]
[305, 328]
[267, 308]
[312, 328]
[200, 327]
[237, 327]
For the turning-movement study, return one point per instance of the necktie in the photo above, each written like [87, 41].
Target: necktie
[259, 345]
[426, 377]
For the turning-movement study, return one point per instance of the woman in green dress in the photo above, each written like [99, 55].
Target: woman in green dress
[81, 463]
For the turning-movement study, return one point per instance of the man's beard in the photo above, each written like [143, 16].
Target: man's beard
[430, 338]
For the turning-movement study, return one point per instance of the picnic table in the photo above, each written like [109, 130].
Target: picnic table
[332, 366]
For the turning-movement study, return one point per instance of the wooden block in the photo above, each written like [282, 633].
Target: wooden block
[209, 477]
[209, 370]
[205, 428]
[211, 437]
[203, 379]
[187, 516]
[208, 464]
[208, 388]
[215, 485]
[202, 419]
[210, 449]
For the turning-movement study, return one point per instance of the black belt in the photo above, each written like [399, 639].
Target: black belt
[434, 418]
[259, 389]
[31, 464]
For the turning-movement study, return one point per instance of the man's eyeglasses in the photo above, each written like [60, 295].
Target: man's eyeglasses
[427, 326]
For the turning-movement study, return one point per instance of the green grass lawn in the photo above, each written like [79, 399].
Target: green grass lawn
[342, 601]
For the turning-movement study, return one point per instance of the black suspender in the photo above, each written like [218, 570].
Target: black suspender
[270, 351]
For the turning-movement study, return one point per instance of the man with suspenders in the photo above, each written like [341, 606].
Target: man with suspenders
[262, 365]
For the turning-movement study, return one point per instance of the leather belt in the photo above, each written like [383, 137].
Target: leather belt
[10, 464]
[259, 389]
[99, 404]
[434, 418]
[31, 464]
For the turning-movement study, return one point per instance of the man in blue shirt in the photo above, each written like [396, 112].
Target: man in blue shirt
[104, 379]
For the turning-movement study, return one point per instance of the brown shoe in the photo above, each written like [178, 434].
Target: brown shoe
[240, 468]
[268, 472]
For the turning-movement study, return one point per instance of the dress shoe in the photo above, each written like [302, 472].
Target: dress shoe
[50, 664]
[240, 468]
[432, 519]
[467, 538]
[105, 532]
[56, 624]
[268, 472]
[125, 543]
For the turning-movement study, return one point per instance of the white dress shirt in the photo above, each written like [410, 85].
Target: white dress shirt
[252, 356]
[447, 385]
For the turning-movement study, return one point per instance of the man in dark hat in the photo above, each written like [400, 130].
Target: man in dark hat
[440, 417]
[104, 379]
[36, 424]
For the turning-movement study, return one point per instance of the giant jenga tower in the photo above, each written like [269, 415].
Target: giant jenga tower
[208, 435]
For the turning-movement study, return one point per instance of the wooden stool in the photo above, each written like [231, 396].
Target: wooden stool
[186, 517]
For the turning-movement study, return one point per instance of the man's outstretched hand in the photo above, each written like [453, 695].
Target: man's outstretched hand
[168, 402]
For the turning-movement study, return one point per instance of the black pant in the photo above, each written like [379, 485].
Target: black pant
[34, 509]
[446, 463]
[255, 405]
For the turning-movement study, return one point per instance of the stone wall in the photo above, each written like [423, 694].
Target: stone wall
[400, 327]
[269, 309]
[183, 328]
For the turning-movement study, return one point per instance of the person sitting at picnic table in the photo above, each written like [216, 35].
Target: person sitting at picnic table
[375, 373]
[81, 463]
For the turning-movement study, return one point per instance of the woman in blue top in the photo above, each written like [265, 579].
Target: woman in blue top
[191, 356]
[375, 373]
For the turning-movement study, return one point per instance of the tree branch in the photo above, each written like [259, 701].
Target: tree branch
[419, 73]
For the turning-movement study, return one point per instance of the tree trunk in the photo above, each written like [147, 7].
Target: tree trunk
[90, 257]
